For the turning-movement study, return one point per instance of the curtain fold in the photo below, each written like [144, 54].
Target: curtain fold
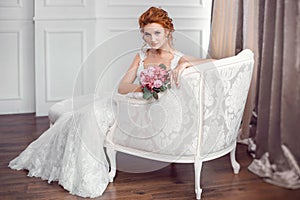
[271, 29]
[224, 29]
[250, 38]
[291, 79]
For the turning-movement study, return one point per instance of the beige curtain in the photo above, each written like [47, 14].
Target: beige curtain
[224, 28]
[271, 29]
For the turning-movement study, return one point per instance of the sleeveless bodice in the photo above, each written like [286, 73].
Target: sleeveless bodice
[174, 61]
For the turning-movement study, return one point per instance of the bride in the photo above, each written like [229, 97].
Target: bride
[71, 151]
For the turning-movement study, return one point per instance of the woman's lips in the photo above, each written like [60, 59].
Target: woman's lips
[154, 44]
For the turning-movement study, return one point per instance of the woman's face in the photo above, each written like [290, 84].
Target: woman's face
[155, 35]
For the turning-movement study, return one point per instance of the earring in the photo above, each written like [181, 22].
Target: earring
[145, 45]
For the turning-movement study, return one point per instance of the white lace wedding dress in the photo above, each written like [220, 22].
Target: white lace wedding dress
[71, 151]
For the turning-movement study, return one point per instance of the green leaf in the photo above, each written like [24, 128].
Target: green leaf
[163, 66]
[155, 95]
[147, 93]
[169, 86]
[163, 88]
[156, 89]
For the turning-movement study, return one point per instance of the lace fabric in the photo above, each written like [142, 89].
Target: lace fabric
[71, 150]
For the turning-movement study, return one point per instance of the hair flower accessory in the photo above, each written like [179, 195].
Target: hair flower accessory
[154, 79]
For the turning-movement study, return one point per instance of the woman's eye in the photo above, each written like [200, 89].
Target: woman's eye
[157, 33]
[147, 35]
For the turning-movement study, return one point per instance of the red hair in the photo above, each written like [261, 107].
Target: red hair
[159, 16]
[156, 15]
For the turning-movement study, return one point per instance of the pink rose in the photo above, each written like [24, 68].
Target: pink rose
[157, 83]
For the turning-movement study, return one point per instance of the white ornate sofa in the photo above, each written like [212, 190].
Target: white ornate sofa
[211, 118]
[201, 126]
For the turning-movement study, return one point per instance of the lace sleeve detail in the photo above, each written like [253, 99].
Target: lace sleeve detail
[175, 60]
[141, 65]
[142, 58]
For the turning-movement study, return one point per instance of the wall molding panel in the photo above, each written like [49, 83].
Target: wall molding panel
[177, 8]
[16, 57]
[11, 59]
[55, 72]
[61, 47]
[64, 3]
[174, 3]
[64, 9]
[11, 3]
[16, 9]
[17, 67]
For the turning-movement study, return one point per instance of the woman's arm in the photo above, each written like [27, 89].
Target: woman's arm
[126, 85]
[185, 62]
[188, 61]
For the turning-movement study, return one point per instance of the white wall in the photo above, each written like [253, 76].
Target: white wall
[66, 32]
[16, 57]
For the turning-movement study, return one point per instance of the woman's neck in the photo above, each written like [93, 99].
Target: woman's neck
[162, 50]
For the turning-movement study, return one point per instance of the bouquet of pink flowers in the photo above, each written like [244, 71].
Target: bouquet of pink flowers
[154, 79]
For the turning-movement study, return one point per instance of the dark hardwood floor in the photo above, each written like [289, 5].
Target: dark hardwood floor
[174, 181]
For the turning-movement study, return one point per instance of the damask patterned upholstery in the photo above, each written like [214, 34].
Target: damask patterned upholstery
[196, 123]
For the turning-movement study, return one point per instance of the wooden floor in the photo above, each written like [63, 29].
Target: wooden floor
[175, 181]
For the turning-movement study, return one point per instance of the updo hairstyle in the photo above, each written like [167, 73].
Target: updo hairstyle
[159, 16]
[156, 15]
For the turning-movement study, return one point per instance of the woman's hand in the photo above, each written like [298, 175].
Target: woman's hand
[185, 62]
[176, 73]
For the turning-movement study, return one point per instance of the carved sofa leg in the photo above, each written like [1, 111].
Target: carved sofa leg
[235, 165]
[112, 159]
[198, 168]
